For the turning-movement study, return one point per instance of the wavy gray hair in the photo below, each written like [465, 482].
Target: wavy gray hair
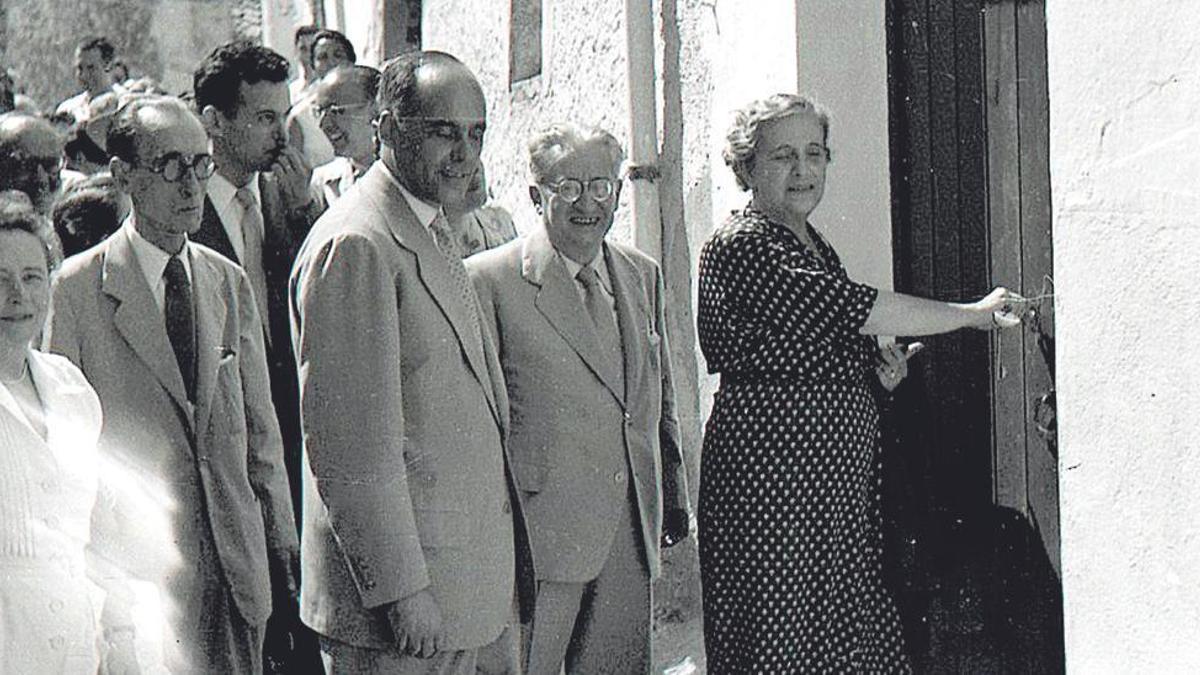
[741, 141]
[548, 147]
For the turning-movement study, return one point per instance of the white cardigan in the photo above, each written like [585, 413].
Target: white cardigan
[47, 491]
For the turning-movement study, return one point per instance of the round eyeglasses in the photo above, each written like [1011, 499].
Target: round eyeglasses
[173, 166]
[571, 189]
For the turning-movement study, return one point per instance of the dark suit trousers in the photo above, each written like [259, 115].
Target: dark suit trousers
[599, 626]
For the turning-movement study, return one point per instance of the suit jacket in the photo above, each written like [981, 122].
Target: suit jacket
[221, 457]
[575, 433]
[283, 234]
[406, 483]
[331, 180]
[47, 490]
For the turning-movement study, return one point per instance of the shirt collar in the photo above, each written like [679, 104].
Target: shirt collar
[152, 259]
[596, 263]
[424, 211]
[223, 193]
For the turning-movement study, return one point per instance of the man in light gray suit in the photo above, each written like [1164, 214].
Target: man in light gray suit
[594, 440]
[412, 533]
[168, 333]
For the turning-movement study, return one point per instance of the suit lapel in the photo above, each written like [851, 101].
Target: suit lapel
[431, 267]
[138, 319]
[632, 313]
[212, 232]
[210, 319]
[559, 302]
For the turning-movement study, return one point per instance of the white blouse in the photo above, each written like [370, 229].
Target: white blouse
[47, 490]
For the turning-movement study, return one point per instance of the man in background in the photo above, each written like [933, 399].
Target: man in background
[345, 109]
[93, 61]
[31, 158]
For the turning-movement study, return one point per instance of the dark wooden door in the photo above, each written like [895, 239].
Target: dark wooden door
[1025, 457]
[970, 210]
[970, 479]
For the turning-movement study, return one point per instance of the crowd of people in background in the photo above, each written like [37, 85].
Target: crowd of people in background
[299, 398]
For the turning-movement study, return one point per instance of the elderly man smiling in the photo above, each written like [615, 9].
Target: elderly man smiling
[594, 439]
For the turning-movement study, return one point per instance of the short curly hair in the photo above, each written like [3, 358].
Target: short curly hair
[18, 215]
[741, 141]
[549, 146]
[217, 82]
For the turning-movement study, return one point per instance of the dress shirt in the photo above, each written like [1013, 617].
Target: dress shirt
[223, 195]
[597, 264]
[424, 211]
[153, 261]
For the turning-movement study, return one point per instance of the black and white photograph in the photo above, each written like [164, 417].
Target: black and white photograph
[616, 337]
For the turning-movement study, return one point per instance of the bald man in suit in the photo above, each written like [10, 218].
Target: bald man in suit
[413, 540]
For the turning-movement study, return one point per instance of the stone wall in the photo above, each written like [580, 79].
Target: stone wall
[163, 39]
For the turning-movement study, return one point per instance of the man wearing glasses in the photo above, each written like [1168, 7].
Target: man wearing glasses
[345, 109]
[196, 501]
[31, 159]
[413, 535]
[594, 439]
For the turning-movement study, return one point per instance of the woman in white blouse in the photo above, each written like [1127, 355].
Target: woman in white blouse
[49, 425]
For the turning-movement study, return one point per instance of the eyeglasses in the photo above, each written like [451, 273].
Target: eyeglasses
[571, 189]
[337, 111]
[173, 166]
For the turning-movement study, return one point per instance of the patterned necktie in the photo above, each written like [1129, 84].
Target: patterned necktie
[252, 252]
[445, 240]
[607, 333]
[181, 323]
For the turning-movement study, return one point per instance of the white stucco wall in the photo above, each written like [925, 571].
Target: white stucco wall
[753, 55]
[843, 65]
[1125, 173]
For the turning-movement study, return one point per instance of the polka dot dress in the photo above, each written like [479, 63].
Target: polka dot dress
[789, 490]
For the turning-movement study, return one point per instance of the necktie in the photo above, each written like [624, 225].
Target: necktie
[181, 324]
[252, 252]
[444, 238]
[607, 333]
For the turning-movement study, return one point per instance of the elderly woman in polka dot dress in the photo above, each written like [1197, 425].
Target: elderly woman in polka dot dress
[789, 492]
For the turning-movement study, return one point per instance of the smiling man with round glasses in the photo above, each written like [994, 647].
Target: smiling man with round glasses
[594, 438]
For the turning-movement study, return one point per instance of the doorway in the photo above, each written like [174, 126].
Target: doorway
[970, 467]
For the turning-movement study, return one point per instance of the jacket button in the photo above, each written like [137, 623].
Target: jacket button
[618, 476]
[56, 605]
[507, 508]
[628, 416]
